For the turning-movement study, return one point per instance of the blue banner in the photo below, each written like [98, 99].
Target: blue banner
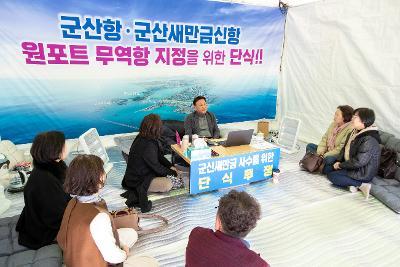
[215, 173]
[73, 65]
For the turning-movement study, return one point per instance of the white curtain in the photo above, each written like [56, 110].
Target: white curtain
[341, 52]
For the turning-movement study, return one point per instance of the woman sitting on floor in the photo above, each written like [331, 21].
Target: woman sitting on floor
[44, 197]
[360, 157]
[87, 234]
[147, 167]
[333, 140]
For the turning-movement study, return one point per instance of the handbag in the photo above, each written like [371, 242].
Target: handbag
[388, 163]
[311, 161]
[130, 218]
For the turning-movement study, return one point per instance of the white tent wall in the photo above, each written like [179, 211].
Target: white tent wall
[341, 52]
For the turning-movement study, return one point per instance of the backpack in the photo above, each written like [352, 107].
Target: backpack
[388, 163]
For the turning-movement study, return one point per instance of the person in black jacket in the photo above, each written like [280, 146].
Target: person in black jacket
[201, 121]
[44, 197]
[359, 159]
[147, 167]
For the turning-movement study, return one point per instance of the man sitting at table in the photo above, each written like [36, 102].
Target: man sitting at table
[201, 122]
[237, 215]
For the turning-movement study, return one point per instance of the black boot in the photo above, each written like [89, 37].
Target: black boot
[125, 194]
[147, 208]
[131, 199]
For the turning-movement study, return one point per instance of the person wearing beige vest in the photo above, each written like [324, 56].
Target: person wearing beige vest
[87, 234]
[334, 138]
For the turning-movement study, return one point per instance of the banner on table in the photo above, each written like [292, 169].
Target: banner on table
[215, 173]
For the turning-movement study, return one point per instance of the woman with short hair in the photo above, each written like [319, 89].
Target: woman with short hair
[147, 167]
[359, 160]
[87, 234]
[334, 138]
[44, 197]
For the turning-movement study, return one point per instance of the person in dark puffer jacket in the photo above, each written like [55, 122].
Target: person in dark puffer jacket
[359, 159]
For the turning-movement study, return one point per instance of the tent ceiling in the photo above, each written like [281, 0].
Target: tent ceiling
[271, 3]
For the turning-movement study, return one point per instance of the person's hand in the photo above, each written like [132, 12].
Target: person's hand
[126, 249]
[173, 168]
[336, 166]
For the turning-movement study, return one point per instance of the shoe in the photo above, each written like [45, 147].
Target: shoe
[148, 208]
[132, 203]
[129, 203]
[365, 188]
[353, 189]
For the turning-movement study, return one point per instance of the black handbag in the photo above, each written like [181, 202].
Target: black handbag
[388, 163]
[311, 161]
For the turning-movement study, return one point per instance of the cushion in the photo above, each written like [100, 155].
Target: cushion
[387, 191]
[13, 254]
[48, 256]
[391, 142]
[384, 136]
[175, 125]
[9, 237]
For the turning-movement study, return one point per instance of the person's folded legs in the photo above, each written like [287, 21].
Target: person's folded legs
[160, 185]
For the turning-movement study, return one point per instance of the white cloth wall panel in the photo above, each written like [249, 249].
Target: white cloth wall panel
[341, 52]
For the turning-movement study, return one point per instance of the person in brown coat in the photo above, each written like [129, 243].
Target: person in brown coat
[87, 234]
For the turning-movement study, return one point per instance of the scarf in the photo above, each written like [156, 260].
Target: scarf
[334, 133]
[353, 136]
[88, 199]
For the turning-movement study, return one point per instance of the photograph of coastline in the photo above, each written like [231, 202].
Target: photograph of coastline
[115, 98]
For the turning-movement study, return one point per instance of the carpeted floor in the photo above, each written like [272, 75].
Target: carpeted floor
[305, 221]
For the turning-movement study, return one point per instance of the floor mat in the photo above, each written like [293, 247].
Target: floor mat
[305, 220]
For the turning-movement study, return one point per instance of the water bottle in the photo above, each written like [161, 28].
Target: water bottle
[185, 143]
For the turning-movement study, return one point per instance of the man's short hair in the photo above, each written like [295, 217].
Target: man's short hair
[197, 98]
[47, 147]
[239, 213]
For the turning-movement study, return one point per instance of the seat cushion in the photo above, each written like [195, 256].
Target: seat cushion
[48, 256]
[387, 191]
[175, 125]
[12, 254]
[9, 237]
[391, 142]
[385, 136]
